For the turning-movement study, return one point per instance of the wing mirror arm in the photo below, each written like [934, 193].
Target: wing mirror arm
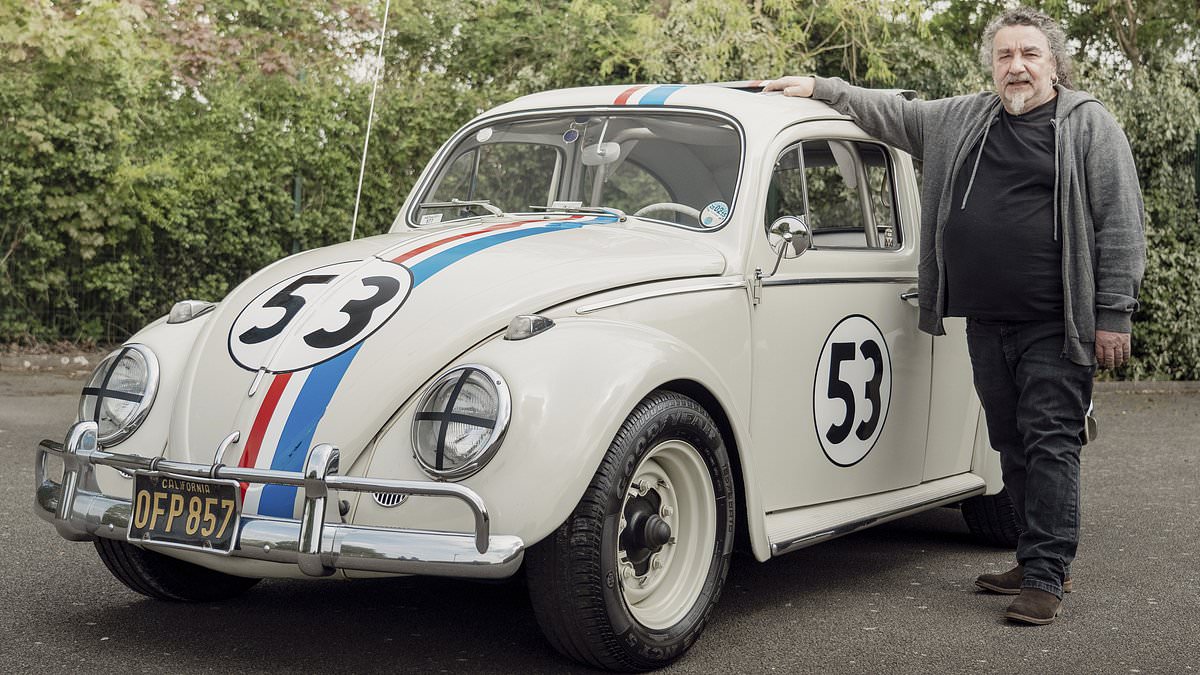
[789, 237]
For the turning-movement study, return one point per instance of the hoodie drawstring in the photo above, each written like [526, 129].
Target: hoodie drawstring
[1054, 123]
[971, 182]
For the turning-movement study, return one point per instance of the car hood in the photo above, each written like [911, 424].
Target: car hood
[324, 346]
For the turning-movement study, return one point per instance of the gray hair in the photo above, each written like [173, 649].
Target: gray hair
[1026, 16]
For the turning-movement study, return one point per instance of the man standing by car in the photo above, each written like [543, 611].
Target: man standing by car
[1031, 228]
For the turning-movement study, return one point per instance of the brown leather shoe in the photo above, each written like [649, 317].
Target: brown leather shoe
[1009, 583]
[1034, 606]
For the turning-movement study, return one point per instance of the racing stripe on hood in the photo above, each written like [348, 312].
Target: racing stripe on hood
[295, 438]
[295, 402]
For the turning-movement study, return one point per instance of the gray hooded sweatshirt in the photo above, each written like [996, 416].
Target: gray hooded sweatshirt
[1098, 214]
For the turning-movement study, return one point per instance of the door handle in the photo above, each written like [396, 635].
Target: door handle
[909, 295]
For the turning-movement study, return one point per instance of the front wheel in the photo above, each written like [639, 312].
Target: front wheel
[164, 578]
[629, 581]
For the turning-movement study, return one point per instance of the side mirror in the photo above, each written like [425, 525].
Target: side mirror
[789, 237]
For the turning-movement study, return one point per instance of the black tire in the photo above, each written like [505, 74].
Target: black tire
[164, 578]
[992, 519]
[575, 574]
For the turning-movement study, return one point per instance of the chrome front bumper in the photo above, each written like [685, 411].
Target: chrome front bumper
[80, 512]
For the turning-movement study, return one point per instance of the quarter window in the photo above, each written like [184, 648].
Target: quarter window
[841, 189]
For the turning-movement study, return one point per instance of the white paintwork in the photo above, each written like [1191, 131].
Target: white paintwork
[573, 385]
[465, 303]
[791, 326]
[959, 412]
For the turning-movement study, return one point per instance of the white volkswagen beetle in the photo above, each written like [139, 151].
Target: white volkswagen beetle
[612, 330]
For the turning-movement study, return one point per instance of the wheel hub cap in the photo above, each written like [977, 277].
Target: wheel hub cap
[645, 531]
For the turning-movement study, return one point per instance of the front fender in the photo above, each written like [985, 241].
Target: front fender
[572, 387]
[172, 345]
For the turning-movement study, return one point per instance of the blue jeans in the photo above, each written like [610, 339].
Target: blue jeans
[1035, 401]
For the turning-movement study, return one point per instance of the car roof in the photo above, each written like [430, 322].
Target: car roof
[743, 101]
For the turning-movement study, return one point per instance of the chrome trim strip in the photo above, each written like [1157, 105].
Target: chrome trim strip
[839, 280]
[80, 512]
[811, 538]
[712, 286]
[257, 380]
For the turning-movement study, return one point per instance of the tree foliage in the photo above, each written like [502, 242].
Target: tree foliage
[161, 149]
[1160, 111]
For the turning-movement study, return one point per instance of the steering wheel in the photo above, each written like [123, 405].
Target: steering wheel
[674, 207]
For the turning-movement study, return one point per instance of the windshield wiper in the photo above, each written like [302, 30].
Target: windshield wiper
[485, 203]
[558, 208]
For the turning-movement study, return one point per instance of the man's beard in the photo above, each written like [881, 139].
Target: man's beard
[1016, 102]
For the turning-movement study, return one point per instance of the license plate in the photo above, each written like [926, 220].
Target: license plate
[185, 512]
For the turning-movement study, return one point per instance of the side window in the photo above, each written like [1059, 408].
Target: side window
[841, 189]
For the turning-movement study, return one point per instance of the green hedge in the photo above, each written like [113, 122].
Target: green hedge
[1161, 114]
[151, 152]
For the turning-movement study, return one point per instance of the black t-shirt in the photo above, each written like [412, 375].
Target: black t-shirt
[1002, 258]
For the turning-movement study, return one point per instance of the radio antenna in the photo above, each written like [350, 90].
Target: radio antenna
[362, 167]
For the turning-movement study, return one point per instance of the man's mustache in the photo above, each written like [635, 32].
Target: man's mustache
[1013, 79]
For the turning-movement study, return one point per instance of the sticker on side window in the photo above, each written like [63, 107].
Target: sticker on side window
[431, 218]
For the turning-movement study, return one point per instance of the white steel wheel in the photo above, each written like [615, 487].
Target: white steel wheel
[629, 580]
[667, 530]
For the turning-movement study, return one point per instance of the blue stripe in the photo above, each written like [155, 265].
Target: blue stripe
[280, 500]
[318, 389]
[436, 263]
[659, 95]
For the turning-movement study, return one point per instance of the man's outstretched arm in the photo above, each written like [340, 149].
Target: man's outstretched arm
[882, 114]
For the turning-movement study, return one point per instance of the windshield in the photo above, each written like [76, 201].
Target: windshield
[677, 168]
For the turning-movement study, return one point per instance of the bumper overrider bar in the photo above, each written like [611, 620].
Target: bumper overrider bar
[80, 512]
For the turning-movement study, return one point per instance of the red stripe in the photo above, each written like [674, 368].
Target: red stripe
[259, 429]
[503, 226]
[624, 97]
[421, 249]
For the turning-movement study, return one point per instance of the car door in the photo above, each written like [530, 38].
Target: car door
[841, 373]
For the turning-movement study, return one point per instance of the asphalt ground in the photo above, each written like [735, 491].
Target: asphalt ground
[898, 598]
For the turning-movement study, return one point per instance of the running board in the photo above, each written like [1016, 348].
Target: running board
[796, 528]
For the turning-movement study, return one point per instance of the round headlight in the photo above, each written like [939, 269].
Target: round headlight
[120, 392]
[460, 421]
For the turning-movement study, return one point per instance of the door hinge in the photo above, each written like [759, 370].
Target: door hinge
[756, 285]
